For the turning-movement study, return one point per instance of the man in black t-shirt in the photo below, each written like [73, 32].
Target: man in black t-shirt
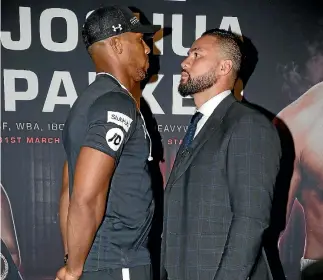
[106, 205]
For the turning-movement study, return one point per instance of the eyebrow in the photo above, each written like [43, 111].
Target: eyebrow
[193, 50]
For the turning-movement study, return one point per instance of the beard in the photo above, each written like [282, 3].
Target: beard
[198, 84]
[140, 75]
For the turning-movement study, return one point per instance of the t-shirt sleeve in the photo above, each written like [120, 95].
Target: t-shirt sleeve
[111, 120]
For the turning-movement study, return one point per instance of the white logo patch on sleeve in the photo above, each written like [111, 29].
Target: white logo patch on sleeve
[114, 138]
[120, 119]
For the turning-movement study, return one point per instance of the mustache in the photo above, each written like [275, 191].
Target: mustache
[184, 71]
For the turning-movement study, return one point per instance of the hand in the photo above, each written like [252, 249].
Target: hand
[63, 274]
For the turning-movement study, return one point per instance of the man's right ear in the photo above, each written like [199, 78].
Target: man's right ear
[116, 45]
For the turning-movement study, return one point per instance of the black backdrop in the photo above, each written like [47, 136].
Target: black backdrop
[45, 65]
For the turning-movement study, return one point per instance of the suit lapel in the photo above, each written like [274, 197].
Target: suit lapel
[185, 157]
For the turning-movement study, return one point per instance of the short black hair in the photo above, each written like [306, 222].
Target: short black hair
[230, 44]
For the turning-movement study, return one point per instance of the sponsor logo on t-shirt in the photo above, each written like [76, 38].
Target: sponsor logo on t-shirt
[114, 138]
[120, 119]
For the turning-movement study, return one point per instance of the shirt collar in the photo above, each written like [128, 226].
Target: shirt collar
[108, 74]
[208, 107]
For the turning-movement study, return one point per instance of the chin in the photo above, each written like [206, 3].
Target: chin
[184, 93]
[182, 84]
[141, 75]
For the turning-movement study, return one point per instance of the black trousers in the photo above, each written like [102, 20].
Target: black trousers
[133, 273]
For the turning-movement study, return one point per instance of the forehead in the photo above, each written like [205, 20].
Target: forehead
[205, 43]
[130, 36]
[134, 34]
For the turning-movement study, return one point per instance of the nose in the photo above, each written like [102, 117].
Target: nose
[186, 63]
[147, 49]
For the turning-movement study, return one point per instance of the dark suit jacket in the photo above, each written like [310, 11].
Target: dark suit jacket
[218, 198]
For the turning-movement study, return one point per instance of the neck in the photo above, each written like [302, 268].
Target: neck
[132, 86]
[137, 93]
[202, 97]
[121, 76]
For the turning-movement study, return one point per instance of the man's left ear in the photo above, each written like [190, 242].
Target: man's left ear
[226, 67]
[116, 44]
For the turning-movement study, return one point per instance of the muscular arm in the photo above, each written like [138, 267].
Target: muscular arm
[92, 177]
[8, 234]
[253, 162]
[291, 155]
[63, 206]
[110, 123]
[294, 185]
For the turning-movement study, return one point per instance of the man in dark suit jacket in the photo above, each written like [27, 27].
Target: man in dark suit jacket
[219, 195]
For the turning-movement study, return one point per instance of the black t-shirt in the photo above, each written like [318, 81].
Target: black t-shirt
[111, 121]
[105, 118]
